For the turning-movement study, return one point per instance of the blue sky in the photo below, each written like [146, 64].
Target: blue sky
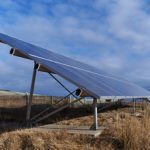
[113, 35]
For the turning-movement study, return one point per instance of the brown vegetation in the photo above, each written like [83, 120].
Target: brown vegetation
[125, 131]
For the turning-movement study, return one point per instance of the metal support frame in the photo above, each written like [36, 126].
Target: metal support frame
[36, 66]
[95, 125]
[130, 102]
[109, 105]
[126, 104]
[69, 91]
[57, 110]
[27, 99]
[50, 107]
[147, 102]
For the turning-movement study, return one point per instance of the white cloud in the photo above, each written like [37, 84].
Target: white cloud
[112, 30]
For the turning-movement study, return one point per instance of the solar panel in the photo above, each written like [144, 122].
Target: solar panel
[98, 83]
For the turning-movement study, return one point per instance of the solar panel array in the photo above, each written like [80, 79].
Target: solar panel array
[94, 81]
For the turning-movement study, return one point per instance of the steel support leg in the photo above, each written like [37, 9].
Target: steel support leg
[95, 125]
[31, 95]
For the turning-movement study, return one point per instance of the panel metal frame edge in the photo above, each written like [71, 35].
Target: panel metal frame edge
[122, 97]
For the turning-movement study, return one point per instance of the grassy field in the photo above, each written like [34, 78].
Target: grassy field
[125, 131]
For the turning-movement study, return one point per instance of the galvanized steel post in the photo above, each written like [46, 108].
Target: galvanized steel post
[27, 99]
[31, 94]
[95, 113]
[70, 100]
[51, 100]
[95, 125]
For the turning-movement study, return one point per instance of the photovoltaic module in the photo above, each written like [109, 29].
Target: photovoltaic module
[96, 82]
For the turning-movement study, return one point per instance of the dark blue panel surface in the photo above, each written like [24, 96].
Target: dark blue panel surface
[95, 81]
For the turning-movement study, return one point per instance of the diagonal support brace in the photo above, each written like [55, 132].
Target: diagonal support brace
[57, 110]
[69, 91]
[50, 107]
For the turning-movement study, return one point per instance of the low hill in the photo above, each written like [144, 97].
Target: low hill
[8, 92]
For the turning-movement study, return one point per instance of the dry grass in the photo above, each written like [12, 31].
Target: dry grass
[132, 133]
[26, 139]
[125, 131]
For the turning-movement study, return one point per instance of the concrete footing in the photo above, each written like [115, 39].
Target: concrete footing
[70, 129]
[111, 113]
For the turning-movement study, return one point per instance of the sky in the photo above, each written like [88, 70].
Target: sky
[113, 35]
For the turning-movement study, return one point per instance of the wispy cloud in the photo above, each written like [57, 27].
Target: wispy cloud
[111, 35]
